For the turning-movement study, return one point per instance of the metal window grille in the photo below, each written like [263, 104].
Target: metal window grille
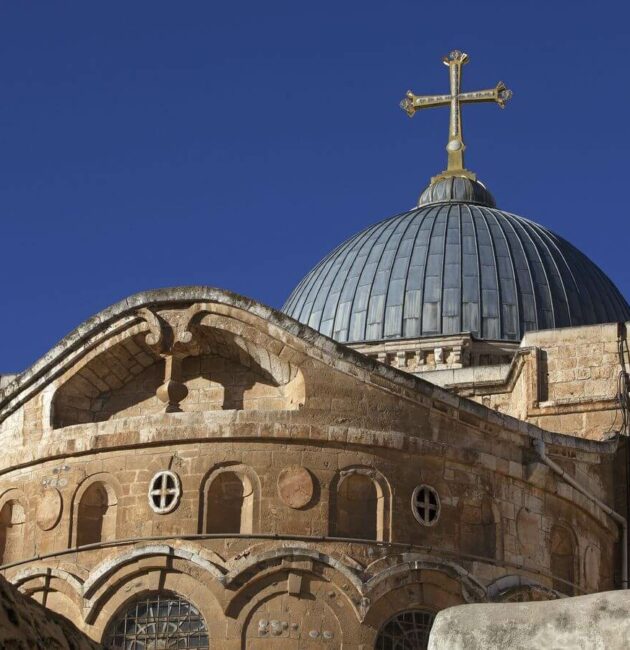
[407, 630]
[158, 621]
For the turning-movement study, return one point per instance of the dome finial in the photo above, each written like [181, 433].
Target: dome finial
[455, 147]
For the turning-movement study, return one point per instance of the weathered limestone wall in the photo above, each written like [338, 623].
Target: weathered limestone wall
[295, 505]
[595, 622]
[563, 380]
[494, 537]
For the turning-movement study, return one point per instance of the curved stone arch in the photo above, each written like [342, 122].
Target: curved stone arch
[263, 348]
[269, 587]
[99, 615]
[502, 587]
[194, 555]
[54, 579]
[12, 542]
[114, 491]
[295, 554]
[248, 476]
[15, 494]
[383, 495]
[25, 575]
[415, 594]
[71, 376]
[472, 590]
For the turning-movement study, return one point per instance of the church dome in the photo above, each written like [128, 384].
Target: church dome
[455, 263]
[453, 266]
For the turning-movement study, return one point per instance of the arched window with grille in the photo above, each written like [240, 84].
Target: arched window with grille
[157, 620]
[408, 630]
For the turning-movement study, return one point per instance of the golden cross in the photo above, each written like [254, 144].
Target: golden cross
[456, 147]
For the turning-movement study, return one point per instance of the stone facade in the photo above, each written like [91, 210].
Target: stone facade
[564, 380]
[296, 493]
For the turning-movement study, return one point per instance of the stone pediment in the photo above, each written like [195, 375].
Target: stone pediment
[199, 349]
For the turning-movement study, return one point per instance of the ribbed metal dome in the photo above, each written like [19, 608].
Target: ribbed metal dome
[453, 267]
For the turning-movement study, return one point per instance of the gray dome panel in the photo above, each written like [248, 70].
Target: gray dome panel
[449, 268]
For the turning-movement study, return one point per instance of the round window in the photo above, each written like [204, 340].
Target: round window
[164, 492]
[425, 505]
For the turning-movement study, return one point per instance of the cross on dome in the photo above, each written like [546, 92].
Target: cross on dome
[456, 147]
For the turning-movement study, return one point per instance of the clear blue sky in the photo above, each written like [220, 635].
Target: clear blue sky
[151, 144]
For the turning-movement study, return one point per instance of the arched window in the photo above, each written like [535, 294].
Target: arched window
[96, 515]
[12, 520]
[357, 513]
[230, 504]
[563, 559]
[407, 630]
[157, 620]
[478, 529]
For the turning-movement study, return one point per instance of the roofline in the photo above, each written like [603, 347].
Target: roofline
[191, 294]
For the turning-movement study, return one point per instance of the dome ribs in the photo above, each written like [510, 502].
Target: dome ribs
[511, 284]
[491, 321]
[375, 307]
[348, 290]
[471, 286]
[571, 288]
[414, 284]
[542, 290]
[330, 306]
[452, 274]
[395, 295]
[559, 298]
[319, 298]
[321, 268]
[358, 315]
[449, 268]
[429, 315]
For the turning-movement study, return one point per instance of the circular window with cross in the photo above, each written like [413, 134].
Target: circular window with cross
[425, 505]
[165, 491]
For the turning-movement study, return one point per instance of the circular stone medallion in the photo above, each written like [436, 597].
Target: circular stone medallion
[49, 508]
[295, 486]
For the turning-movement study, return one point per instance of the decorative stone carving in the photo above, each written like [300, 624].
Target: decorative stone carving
[49, 509]
[178, 333]
[295, 486]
